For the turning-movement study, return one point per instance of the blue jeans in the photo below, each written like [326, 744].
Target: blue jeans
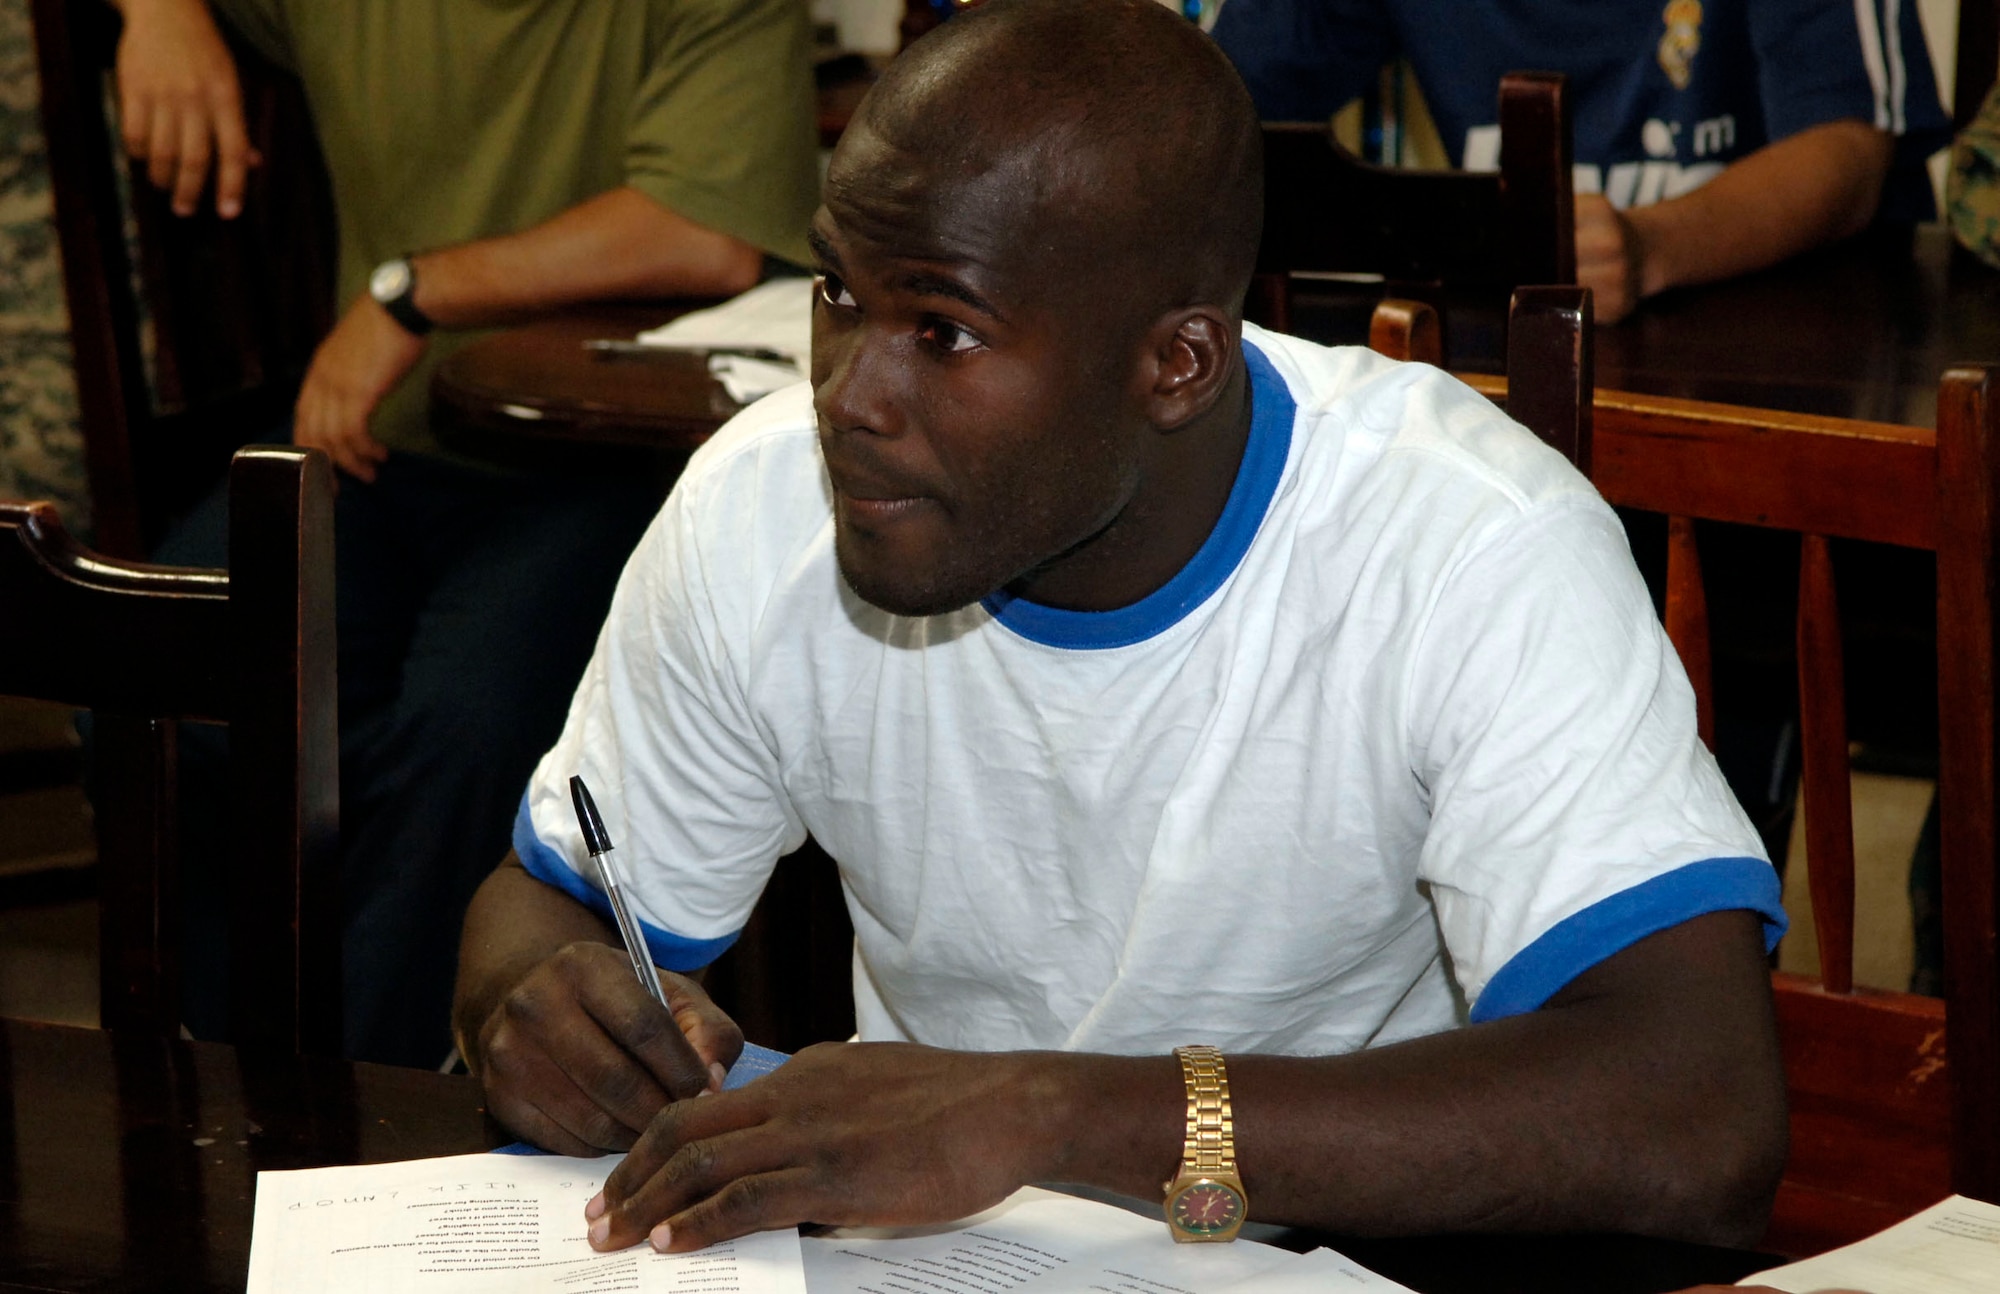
[468, 603]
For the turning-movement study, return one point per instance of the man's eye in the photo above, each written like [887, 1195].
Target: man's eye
[947, 336]
[834, 292]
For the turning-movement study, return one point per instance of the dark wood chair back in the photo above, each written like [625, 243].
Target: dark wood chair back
[1327, 213]
[1549, 358]
[1892, 1094]
[233, 309]
[146, 647]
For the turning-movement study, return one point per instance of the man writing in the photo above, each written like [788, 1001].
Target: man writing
[1156, 681]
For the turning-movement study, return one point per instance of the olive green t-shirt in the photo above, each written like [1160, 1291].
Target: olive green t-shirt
[445, 121]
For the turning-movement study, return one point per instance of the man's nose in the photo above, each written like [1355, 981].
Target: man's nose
[855, 372]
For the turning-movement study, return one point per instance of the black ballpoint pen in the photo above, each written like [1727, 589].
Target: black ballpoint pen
[599, 844]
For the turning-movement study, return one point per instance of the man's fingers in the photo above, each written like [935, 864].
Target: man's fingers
[698, 1121]
[163, 146]
[603, 1074]
[697, 1168]
[636, 1023]
[546, 1095]
[192, 172]
[715, 1037]
[762, 1202]
[135, 122]
[233, 154]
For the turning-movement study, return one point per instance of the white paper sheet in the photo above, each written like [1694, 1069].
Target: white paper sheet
[1036, 1242]
[771, 316]
[1953, 1247]
[479, 1223]
[1322, 1271]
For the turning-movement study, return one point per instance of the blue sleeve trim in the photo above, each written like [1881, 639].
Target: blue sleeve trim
[1583, 939]
[668, 950]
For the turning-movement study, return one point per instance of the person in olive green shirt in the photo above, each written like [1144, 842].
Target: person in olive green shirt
[499, 158]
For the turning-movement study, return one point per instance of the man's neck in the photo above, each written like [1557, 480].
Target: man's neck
[1183, 494]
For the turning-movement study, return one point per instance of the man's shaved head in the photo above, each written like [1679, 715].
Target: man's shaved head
[1035, 242]
[1123, 140]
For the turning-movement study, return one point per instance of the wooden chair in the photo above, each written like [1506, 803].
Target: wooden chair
[1893, 1095]
[1330, 215]
[233, 309]
[148, 646]
[1549, 358]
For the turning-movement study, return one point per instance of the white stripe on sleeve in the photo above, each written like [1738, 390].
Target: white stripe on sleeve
[1871, 57]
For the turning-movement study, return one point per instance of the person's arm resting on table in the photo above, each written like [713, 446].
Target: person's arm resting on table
[1644, 1097]
[182, 110]
[1802, 192]
[620, 244]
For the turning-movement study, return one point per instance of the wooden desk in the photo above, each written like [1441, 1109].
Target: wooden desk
[1860, 331]
[129, 1165]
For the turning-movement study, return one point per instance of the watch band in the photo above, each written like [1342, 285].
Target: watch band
[1210, 1147]
[402, 305]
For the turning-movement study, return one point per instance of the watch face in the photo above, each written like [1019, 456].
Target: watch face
[1206, 1208]
[389, 281]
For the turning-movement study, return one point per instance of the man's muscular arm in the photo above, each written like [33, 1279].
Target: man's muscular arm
[1805, 191]
[1645, 1097]
[575, 1054]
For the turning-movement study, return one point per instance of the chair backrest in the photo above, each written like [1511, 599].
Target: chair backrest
[1330, 214]
[1892, 1094]
[233, 309]
[146, 647]
[1549, 358]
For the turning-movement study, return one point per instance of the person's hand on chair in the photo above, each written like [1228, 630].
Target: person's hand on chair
[361, 360]
[180, 107]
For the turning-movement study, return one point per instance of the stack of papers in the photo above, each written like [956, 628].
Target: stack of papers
[1950, 1248]
[774, 316]
[514, 1223]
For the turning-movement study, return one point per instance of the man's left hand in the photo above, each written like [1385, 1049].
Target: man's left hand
[361, 360]
[1607, 258]
[857, 1134]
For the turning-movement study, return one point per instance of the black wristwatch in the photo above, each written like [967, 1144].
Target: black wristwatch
[393, 284]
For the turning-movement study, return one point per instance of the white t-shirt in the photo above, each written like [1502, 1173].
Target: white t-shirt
[1403, 744]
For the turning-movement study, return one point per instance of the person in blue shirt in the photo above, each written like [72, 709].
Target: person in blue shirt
[1713, 137]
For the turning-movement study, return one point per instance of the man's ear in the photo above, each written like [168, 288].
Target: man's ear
[1190, 355]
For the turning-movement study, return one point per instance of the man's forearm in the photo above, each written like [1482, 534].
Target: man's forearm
[618, 245]
[1646, 1098]
[1810, 189]
[514, 923]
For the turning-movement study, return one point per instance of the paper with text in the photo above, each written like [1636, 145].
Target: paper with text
[1322, 1271]
[1950, 1248]
[1036, 1242]
[499, 1223]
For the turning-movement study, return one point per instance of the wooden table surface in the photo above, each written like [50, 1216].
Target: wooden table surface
[129, 1165]
[1863, 331]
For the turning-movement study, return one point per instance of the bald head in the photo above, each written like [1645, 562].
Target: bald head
[1110, 139]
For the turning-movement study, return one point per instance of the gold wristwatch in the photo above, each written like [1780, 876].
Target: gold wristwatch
[1205, 1199]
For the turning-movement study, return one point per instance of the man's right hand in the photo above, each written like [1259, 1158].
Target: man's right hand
[179, 103]
[577, 1058]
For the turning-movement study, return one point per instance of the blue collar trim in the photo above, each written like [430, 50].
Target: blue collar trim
[1272, 411]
